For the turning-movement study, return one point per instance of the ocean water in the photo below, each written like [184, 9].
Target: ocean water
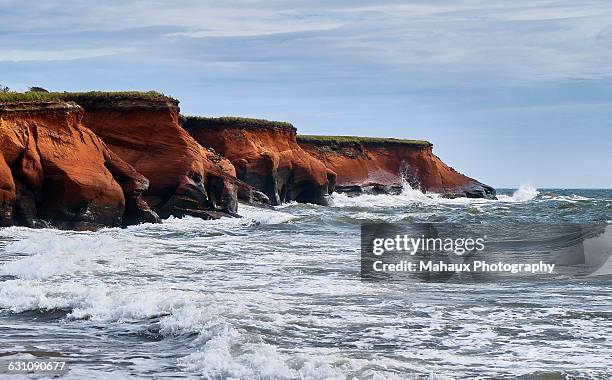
[277, 295]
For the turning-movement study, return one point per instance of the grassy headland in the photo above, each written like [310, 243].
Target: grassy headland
[345, 140]
[232, 122]
[81, 97]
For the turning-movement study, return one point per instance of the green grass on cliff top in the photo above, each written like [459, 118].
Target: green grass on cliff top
[232, 121]
[357, 139]
[35, 97]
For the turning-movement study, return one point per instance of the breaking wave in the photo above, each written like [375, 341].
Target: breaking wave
[523, 194]
[264, 216]
[131, 278]
[276, 295]
[410, 196]
[407, 196]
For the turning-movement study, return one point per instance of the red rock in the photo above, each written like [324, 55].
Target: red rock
[266, 156]
[52, 168]
[380, 166]
[185, 178]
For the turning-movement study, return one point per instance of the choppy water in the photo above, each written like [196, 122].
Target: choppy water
[277, 295]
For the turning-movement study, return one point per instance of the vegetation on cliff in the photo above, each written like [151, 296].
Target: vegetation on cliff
[82, 97]
[340, 140]
[233, 122]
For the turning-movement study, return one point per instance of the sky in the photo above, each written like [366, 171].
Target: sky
[509, 92]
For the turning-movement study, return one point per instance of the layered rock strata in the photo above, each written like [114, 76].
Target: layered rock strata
[266, 156]
[384, 165]
[185, 178]
[55, 171]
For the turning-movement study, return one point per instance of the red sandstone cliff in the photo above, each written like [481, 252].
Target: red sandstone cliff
[55, 170]
[185, 178]
[266, 156]
[379, 165]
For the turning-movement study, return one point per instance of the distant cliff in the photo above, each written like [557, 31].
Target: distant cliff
[381, 164]
[266, 156]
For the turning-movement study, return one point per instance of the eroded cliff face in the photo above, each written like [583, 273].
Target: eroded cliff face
[380, 166]
[185, 178]
[107, 159]
[266, 156]
[54, 170]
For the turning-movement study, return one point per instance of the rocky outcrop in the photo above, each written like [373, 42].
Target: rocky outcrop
[55, 171]
[185, 178]
[266, 156]
[381, 165]
[85, 160]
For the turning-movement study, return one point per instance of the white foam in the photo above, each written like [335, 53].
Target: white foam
[572, 198]
[219, 351]
[264, 216]
[234, 300]
[229, 353]
[226, 354]
[407, 196]
[51, 253]
[523, 194]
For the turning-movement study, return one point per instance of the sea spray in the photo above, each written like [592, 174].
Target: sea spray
[407, 196]
[523, 194]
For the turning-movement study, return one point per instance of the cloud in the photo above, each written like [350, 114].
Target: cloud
[513, 41]
[19, 55]
[463, 73]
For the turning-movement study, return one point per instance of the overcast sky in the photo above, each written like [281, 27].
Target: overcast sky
[509, 92]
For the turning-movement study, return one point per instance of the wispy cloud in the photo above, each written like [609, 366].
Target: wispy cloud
[535, 40]
[20, 55]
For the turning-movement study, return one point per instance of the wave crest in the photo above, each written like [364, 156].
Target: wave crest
[407, 196]
[523, 194]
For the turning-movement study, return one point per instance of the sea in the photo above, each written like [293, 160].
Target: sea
[277, 294]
